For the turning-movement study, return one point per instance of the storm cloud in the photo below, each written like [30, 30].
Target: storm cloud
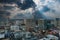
[25, 5]
[49, 8]
[4, 15]
[37, 8]
[16, 7]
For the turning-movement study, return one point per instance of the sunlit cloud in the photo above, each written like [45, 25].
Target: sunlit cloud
[53, 5]
[48, 8]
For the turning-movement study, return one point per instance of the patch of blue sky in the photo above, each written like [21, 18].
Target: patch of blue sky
[58, 1]
[53, 5]
[45, 9]
[43, 1]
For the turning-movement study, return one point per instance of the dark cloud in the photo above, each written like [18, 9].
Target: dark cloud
[4, 15]
[45, 9]
[8, 7]
[58, 1]
[7, 1]
[23, 16]
[26, 4]
[37, 15]
[2, 18]
[19, 16]
[40, 15]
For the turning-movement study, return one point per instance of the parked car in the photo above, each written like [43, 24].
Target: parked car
[2, 35]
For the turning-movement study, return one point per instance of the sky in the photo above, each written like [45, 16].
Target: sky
[48, 9]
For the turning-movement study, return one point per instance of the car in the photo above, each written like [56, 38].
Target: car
[2, 35]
